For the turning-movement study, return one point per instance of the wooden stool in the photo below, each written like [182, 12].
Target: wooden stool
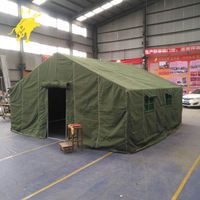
[75, 134]
[66, 146]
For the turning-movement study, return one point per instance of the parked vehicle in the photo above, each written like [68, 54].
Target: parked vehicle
[192, 99]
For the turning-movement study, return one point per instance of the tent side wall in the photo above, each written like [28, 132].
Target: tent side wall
[112, 116]
[99, 105]
[23, 105]
[147, 128]
[16, 109]
[29, 98]
[82, 106]
[135, 119]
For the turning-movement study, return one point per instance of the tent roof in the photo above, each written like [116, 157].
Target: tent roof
[127, 76]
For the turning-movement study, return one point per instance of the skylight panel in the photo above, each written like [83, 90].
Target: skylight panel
[47, 20]
[79, 54]
[79, 30]
[115, 2]
[39, 2]
[89, 14]
[32, 47]
[43, 19]
[81, 18]
[62, 25]
[48, 50]
[107, 6]
[40, 49]
[9, 7]
[97, 10]
[9, 43]
[63, 50]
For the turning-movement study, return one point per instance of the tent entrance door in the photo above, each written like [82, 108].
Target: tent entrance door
[56, 113]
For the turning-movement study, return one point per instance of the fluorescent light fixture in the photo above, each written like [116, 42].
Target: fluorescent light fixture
[81, 18]
[115, 2]
[39, 2]
[107, 6]
[89, 14]
[97, 10]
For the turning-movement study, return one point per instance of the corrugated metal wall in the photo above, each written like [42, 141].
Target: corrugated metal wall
[174, 22]
[169, 22]
[122, 38]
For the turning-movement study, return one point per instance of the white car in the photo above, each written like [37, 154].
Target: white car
[192, 99]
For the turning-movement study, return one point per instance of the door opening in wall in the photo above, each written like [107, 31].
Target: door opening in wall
[56, 112]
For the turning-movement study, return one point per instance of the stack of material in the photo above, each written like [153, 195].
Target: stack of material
[1, 96]
[4, 105]
[66, 146]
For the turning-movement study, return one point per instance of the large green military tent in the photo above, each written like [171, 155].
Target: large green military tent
[121, 107]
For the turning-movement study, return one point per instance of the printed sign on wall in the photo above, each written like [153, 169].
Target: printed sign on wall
[183, 70]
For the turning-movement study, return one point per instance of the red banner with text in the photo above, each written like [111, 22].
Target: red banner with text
[133, 61]
[172, 50]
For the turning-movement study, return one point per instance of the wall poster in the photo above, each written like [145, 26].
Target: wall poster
[183, 70]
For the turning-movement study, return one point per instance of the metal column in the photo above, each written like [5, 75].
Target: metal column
[21, 65]
[70, 40]
[145, 35]
[95, 42]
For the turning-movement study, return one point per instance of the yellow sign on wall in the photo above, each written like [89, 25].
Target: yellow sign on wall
[25, 27]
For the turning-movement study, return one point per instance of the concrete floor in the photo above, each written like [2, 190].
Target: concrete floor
[28, 165]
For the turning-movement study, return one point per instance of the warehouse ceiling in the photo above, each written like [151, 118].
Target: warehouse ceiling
[72, 9]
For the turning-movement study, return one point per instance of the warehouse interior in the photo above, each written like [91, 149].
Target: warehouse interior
[113, 39]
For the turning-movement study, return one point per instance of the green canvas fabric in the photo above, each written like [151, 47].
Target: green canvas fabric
[106, 98]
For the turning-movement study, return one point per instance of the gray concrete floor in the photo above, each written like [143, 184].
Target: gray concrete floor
[28, 165]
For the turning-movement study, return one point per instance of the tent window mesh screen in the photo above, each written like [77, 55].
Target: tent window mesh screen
[148, 104]
[168, 99]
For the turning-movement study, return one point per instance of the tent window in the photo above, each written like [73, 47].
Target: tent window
[168, 99]
[148, 104]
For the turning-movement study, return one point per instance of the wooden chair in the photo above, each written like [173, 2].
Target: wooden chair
[75, 134]
[74, 137]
